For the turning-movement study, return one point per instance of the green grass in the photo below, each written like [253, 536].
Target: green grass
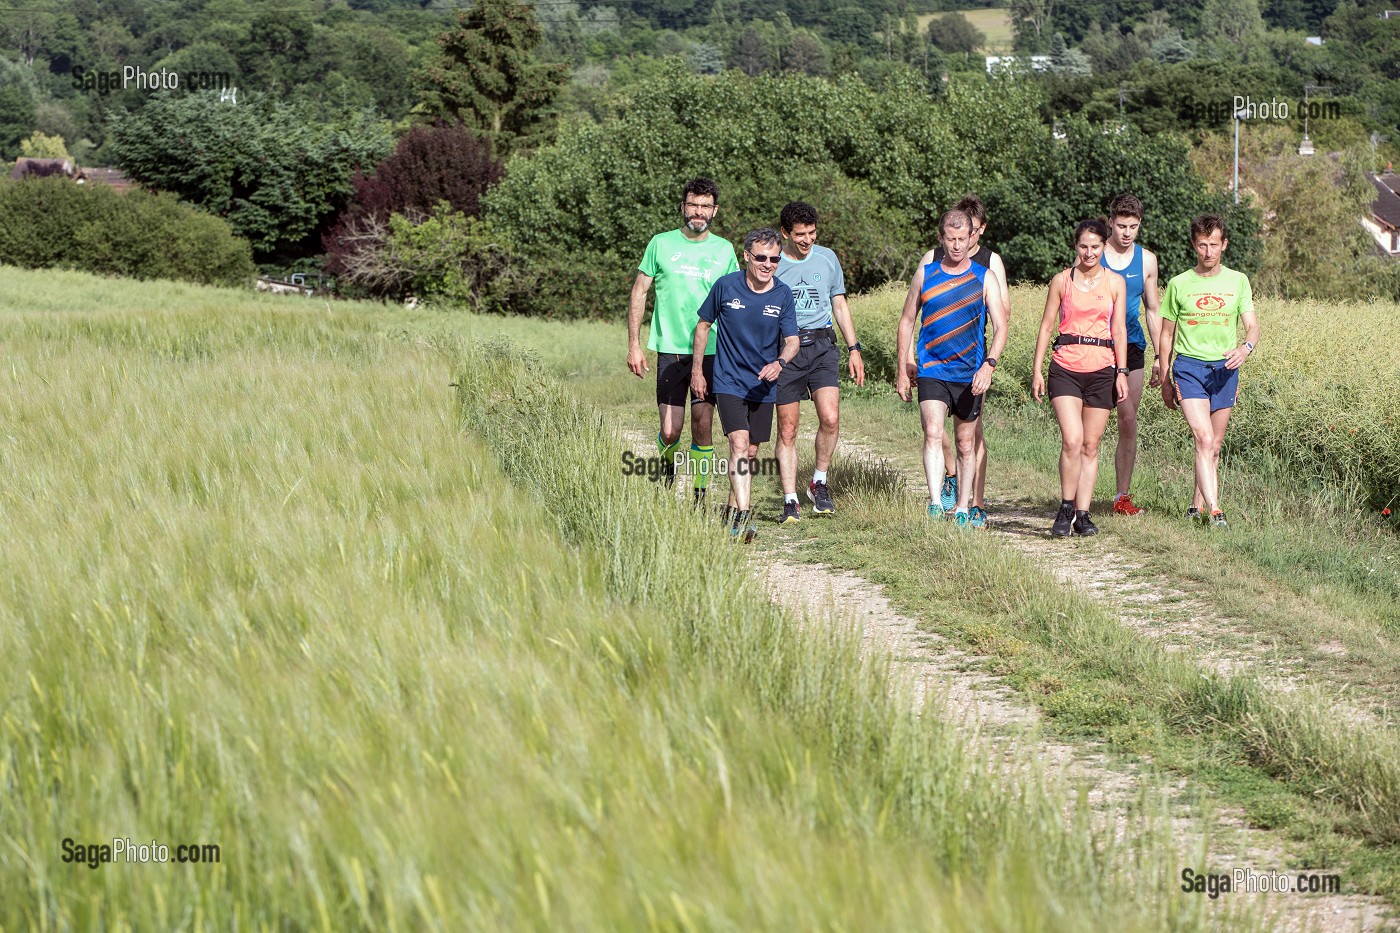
[276, 585]
[1301, 568]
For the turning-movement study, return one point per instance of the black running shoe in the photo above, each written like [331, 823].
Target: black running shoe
[1193, 514]
[1217, 520]
[1064, 520]
[821, 498]
[1083, 526]
[790, 512]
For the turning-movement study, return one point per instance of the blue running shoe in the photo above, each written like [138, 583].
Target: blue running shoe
[977, 517]
[948, 495]
[964, 519]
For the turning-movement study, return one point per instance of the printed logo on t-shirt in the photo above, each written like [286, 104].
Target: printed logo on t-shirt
[772, 310]
[676, 257]
[734, 304]
[1210, 302]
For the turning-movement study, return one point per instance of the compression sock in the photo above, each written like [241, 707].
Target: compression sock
[702, 464]
[665, 450]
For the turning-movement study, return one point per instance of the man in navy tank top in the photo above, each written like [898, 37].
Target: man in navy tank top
[1138, 267]
[951, 300]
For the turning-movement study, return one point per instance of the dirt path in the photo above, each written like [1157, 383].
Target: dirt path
[994, 716]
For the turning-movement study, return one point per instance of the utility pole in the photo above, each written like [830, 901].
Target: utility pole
[1306, 148]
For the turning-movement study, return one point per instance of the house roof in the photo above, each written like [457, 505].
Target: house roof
[24, 165]
[1386, 207]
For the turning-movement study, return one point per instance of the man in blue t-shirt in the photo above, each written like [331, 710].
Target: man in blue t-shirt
[756, 320]
[819, 287]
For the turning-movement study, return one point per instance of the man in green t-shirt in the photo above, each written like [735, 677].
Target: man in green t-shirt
[1201, 313]
[684, 264]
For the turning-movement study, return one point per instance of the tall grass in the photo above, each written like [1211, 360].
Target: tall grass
[262, 591]
[1322, 393]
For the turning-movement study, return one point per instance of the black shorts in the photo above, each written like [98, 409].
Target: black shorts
[956, 395]
[1137, 357]
[739, 414]
[673, 378]
[817, 365]
[1097, 389]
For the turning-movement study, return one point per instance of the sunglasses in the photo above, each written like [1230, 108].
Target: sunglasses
[768, 259]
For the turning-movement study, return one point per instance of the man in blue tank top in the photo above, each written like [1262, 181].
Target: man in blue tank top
[1138, 267]
[951, 300]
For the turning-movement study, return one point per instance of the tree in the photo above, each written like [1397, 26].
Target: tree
[751, 54]
[43, 146]
[705, 59]
[953, 32]
[276, 174]
[1172, 48]
[1029, 18]
[429, 166]
[485, 76]
[1067, 61]
[1233, 21]
[805, 54]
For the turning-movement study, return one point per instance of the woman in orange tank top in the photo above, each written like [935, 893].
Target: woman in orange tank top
[1089, 371]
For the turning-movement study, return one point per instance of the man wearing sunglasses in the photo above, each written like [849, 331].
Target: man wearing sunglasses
[684, 264]
[819, 286]
[755, 317]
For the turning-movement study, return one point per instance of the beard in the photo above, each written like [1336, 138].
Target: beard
[698, 224]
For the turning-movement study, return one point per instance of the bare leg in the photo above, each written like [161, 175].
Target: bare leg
[786, 449]
[827, 401]
[1095, 420]
[933, 414]
[1125, 455]
[1198, 416]
[966, 432]
[1069, 411]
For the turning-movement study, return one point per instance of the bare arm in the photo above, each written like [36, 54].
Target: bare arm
[842, 313]
[904, 343]
[994, 293]
[772, 371]
[697, 364]
[1042, 340]
[636, 307]
[1118, 326]
[1167, 337]
[1251, 337]
[1152, 307]
[999, 268]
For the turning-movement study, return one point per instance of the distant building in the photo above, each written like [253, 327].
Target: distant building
[1384, 222]
[26, 167]
[1012, 63]
[1313, 40]
[106, 178]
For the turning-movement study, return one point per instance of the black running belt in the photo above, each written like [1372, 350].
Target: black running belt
[1068, 340]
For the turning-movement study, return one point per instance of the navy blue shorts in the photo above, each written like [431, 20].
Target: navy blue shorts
[1195, 378]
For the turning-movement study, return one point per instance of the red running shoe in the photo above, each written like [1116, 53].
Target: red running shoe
[1123, 505]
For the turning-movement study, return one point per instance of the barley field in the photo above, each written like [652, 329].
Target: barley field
[360, 597]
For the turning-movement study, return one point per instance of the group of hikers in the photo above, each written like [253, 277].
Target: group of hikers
[744, 340]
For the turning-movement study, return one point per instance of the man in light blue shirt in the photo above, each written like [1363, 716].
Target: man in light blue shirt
[819, 287]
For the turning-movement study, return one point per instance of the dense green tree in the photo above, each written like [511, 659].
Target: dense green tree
[1066, 180]
[805, 54]
[953, 32]
[485, 75]
[276, 175]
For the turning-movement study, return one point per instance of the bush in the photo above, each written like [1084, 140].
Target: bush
[54, 223]
[444, 256]
[428, 165]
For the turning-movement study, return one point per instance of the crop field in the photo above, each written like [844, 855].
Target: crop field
[993, 22]
[361, 598]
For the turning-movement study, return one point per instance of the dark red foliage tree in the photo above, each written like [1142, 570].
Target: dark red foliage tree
[429, 164]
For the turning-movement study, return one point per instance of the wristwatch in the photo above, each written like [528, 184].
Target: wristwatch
[855, 347]
[781, 362]
[991, 361]
[1121, 370]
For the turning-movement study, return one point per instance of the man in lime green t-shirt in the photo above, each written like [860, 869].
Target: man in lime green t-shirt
[1201, 313]
[684, 264]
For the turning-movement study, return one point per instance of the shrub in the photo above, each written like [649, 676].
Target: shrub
[54, 223]
[428, 165]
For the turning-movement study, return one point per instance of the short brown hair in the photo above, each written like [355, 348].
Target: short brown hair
[954, 219]
[1206, 224]
[1125, 205]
